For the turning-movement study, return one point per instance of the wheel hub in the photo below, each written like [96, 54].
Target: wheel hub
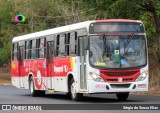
[31, 87]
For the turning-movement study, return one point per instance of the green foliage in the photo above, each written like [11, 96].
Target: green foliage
[45, 14]
[124, 9]
[5, 54]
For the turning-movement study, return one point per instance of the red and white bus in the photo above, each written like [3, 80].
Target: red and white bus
[99, 56]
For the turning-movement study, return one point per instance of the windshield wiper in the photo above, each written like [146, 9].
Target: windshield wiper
[127, 42]
[129, 39]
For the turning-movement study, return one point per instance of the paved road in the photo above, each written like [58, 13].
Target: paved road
[12, 95]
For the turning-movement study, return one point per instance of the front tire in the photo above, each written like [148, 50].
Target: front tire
[34, 92]
[122, 96]
[74, 95]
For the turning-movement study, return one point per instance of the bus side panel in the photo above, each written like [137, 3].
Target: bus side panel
[15, 73]
[61, 67]
[40, 75]
[26, 72]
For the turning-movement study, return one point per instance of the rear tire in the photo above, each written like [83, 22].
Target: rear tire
[74, 95]
[34, 92]
[122, 96]
[68, 94]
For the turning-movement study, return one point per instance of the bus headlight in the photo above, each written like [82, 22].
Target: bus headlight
[96, 77]
[142, 76]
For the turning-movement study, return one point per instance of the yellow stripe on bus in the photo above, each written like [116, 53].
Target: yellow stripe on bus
[71, 63]
[13, 66]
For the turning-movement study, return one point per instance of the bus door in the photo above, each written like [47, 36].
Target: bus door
[50, 55]
[82, 53]
[21, 65]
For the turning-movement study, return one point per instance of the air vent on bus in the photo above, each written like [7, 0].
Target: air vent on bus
[120, 85]
[124, 80]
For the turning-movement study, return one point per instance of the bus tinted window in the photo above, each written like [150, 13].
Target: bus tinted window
[33, 49]
[22, 43]
[61, 46]
[57, 46]
[15, 46]
[15, 52]
[27, 47]
[72, 43]
[34, 44]
[67, 40]
[115, 27]
[41, 48]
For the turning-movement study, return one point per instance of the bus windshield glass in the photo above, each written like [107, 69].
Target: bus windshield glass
[124, 51]
[96, 28]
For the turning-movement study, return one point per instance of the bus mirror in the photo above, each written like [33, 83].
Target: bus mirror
[86, 43]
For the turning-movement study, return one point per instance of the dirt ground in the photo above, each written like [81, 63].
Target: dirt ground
[5, 79]
[5, 76]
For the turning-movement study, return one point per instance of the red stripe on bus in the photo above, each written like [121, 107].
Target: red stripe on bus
[116, 20]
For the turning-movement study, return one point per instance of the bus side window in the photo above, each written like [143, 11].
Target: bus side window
[67, 40]
[41, 47]
[61, 46]
[33, 49]
[15, 52]
[50, 47]
[56, 46]
[73, 44]
[27, 47]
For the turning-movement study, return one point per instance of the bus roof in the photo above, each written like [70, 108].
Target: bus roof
[65, 29]
[52, 31]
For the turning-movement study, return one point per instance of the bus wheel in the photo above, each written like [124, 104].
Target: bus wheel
[122, 96]
[74, 95]
[34, 92]
[68, 94]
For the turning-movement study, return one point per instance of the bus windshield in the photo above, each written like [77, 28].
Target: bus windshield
[124, 51]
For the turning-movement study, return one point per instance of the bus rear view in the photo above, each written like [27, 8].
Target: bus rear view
[117, 57]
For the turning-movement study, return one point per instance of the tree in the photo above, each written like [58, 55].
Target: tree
[5, 34]
[45, 14]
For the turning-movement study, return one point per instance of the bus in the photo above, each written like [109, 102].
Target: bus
[91, 57]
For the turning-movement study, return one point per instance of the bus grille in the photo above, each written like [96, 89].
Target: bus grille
[125, 79]
[120, 73]
[114, 75]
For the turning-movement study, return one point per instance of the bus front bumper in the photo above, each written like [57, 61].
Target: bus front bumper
[115, 87]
